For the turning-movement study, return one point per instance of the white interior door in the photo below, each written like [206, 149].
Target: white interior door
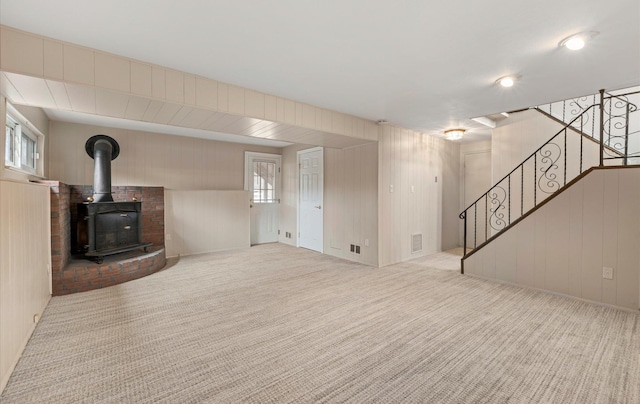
[263, 183]
[310, 203]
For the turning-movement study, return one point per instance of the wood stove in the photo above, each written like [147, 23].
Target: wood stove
[106, 227]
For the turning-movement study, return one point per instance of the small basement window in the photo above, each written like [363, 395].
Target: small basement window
[22, 143]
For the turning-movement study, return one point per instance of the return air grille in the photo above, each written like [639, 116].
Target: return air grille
[416, 243]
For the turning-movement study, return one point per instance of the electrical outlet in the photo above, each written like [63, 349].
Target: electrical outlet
[391, 188]
[413, 189]
[366, 242]
[357, 249]
[168, 237]
[607, 273]
[353, 248]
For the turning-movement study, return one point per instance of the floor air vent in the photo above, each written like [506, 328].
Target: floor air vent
[416, 243]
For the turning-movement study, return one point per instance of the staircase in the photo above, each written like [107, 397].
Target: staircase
[599, 130]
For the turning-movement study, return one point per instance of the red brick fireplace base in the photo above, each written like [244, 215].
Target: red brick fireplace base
[81, 275]
[71, 275]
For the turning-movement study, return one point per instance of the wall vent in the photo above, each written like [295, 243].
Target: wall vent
[416, 243]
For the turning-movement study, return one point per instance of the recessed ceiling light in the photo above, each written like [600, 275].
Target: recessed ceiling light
[454, 134]
[507, 81]
[577, 41]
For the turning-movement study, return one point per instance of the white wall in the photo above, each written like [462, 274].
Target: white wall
[410, 198]
[25, 264]
[563, 246]
[206, 221]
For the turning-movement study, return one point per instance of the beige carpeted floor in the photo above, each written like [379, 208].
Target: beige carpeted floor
[276, 324]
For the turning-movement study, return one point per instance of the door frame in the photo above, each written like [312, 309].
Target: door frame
[248, 156]
[298, 153]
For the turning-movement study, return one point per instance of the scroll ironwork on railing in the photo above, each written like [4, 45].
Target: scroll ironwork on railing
[601, 132]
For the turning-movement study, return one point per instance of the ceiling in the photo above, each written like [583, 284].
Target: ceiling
[427, 66]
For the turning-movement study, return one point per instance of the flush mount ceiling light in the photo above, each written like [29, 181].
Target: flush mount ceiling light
[454, 134]
[507, 81]
[577, 41]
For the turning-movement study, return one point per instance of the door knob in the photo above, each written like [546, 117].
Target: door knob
[250, 206]
[318, 207]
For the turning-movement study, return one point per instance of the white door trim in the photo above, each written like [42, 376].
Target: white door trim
[249, 157]
[298, 153]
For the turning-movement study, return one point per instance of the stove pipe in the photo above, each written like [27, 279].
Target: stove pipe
[102, 149]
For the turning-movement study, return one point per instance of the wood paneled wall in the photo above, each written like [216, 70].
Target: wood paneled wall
[563, 246]
[350, 200]
[25, 264]
[351, 204]
[206, 221]
[411, 193]
[150, 159]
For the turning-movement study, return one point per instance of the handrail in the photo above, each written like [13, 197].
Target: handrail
[555, 164]
[525, 160]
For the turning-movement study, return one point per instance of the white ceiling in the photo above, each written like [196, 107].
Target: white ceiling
[424, 65]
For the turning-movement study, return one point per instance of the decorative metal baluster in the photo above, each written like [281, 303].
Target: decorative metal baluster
[535, 181]
[522, 189]
[601, 128]
[626, 135]
[565, 156]
[486, 217]
[475, 225]
[581, 143]
[509, 214]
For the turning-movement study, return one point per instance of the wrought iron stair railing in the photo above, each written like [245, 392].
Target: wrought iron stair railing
[554, 164]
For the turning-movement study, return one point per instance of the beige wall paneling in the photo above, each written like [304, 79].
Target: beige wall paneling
[174, 86]
[558, 227]
[206, 93]
[21, 52]
[141, 81]
[9, 90]
[627, 272]
[270, 107]
[189, 89]
[79, 66]
[254, 104]
[112, 72]
[33, 89]
[206, 221]
[409, 158]
[82, 98]
[563, 246]
[540, 246]
[524, 235]
[350, 200]
[610, 222]
[451, 223]
[506, 259]
[158, 82]
[59, 93]
[111, 103]
[53, 60]
[150, 159]
[25, 262]
[236, 100]
[592, 240]
[575, 196]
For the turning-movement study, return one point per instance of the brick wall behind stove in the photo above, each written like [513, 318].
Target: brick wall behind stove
[152, 199]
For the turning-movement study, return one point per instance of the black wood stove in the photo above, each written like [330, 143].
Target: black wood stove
[106, 227]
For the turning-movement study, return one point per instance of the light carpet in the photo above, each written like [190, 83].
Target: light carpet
[276, 324]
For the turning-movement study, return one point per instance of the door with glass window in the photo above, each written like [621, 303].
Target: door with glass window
[263, 183]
